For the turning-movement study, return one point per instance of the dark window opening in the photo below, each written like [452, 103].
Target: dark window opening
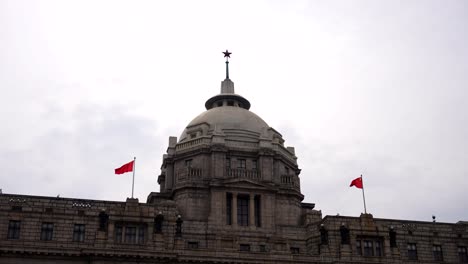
[294, 250]
[262, 248]
[118, 233]
[243, 210]
[412, 251]
[324, 236]
[437, 252]
[79, 233]
[358, 247]
[220, 103]
[254, 165]
[14, 228]
[242, 164]
[392, 235]
[47, 230]
[81, 212]
[16, 208]
[188, 163]
[368, 248]
[103, 221]
[378, 248]
[229, 208]
[228, 163]
[192, 245]
[257, 209]
[130, 233]
[141, 234]
[244, 247]
[230, 103]
[344, 233]
[49, 210]
[193, 135]
[462, 255]
[158, 223]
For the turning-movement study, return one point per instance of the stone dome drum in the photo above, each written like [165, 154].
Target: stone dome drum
[228, 119]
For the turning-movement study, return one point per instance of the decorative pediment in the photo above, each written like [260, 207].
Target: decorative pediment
[244, 184]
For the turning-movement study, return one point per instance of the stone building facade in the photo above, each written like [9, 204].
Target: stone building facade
[229, 193]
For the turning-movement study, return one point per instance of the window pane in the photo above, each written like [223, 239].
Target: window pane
[257, 203]
[243, 210]
[78, 233]
[14, 229]
[118, 234]
[229, 208]
[141, 234]
[368, 248]
[47, 230]
[412, 251]
[130, 234]
[378, 248]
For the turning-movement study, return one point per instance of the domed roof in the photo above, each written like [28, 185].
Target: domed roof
[229, 118]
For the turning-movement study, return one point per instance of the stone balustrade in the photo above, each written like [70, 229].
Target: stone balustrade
[189, 173]
[243, 173]
[193, 143]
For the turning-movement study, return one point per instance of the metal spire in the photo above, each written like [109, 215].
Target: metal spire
[227, 55]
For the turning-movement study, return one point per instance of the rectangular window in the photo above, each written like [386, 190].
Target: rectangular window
[462, 255]
[392, 235]
[47, 230]
[118, 233]
[244, 247]
[358, 247]
[16, 208]
[192, 245]
[243, 210]
[130, 234]
[254, 165]
[242, 164]
[257, 203]
[188, 163]
[228, 208]
[437, 252]
[294, 250]
[286, 169]
[368, 248]
[79, 233]
[228, 163]
[14, 229]
[378, 248]
[262, 248]
[141, 234]
[412, 251]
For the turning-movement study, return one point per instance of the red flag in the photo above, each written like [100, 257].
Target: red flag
[125, 168]
[357, 182]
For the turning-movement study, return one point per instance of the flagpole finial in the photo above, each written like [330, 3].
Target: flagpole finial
[227, 55]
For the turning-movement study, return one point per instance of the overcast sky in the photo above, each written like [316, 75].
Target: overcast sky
[377, 88]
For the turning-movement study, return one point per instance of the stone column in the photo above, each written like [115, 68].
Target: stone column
[252, 210]
[234, 209]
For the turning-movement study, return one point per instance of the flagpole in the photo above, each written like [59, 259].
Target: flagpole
[133, 181]
[363, 197]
